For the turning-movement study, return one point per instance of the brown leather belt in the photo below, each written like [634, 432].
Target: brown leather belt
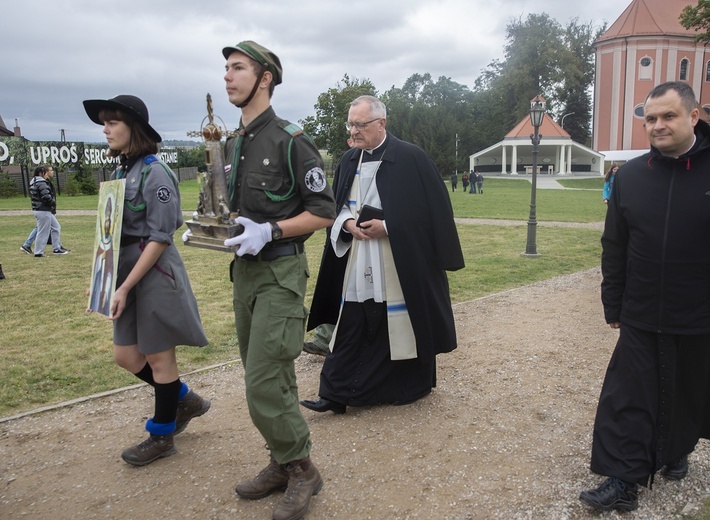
[272, 253]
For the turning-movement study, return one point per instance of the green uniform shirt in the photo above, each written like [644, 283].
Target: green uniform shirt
[263, 171]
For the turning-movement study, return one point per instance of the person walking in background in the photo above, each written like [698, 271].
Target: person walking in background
[27, 245]
[654, 404]
[383, 279]
[44, 208]
[278, 187]
[609, 182]
[479, 182]
[454, 181]
[472, 180]
[464, 181]
[154, 308]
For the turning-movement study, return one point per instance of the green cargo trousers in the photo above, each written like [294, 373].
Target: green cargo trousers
[270, 319]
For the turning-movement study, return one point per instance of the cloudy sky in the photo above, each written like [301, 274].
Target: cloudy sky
[168, 52]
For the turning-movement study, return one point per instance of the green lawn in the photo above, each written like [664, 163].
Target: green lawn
[53, 351]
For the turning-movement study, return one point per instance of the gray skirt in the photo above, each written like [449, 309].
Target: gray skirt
[161, 310]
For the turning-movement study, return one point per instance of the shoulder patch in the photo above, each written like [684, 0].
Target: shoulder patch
[164, 194]
[150, 159]
[315, 180]
[293, 129]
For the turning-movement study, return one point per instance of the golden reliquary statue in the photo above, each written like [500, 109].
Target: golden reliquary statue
[212, 222]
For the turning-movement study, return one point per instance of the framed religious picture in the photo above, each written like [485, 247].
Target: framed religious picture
[109, 220]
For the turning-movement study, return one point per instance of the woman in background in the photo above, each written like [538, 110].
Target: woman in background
[609, 182]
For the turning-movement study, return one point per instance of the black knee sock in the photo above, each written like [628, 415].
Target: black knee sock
[166, 401]
[146, 374]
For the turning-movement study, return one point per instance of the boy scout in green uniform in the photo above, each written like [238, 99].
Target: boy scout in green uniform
[277, 185]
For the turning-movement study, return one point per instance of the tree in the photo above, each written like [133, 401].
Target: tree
[432, 114]
[697, 18]
[327, 128]
[541, 57]
[192, 156]
[573, 96]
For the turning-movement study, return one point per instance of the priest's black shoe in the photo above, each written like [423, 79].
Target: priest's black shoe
[323, 405]
[676, 470]
[612, 494]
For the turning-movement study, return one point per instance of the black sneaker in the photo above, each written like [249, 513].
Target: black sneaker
[612, 494]
[39, 255]
[676, 470]
[26, 249]
[61, 251]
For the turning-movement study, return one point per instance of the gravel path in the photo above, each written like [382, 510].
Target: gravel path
[506, 434]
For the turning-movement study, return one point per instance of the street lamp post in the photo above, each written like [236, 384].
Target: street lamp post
[562, 123]
[537, 114]
[456, 166]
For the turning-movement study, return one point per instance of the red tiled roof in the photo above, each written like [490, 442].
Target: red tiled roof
[548, 129]
[649, 18]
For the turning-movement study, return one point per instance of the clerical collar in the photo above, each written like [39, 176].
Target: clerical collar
[378, 146]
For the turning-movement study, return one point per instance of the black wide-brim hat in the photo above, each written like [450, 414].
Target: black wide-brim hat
[131, 105]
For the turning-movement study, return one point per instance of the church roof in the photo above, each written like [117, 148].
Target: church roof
[649, 18]
[549, 129]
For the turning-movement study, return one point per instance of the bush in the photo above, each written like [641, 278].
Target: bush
[84, 180]
[7, 187]
[72, 187]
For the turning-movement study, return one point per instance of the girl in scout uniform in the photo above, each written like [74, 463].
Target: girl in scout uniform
[154, 308]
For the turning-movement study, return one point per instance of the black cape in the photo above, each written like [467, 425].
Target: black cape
[424, 241]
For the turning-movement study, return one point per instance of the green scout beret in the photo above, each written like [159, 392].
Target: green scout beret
[260, 54]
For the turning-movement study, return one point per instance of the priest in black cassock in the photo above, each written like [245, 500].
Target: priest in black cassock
[382, 277]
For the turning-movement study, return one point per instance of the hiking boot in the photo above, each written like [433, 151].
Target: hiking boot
[612, 494]
[273, 477]
[312, 348]
[676, 470]
[304, 481]
[151, 449]
[26, 249]
[189, 407]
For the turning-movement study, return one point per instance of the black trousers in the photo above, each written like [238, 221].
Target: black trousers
[359, 371]
[654, 404]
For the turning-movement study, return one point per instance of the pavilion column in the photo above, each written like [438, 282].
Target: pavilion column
[561, 160]
[514, 161]
[569, 159]
[504, 159]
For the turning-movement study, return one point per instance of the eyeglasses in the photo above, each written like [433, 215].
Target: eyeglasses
[359, 126]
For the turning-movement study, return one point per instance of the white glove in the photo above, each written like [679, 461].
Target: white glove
[253, 239]
[186, 235]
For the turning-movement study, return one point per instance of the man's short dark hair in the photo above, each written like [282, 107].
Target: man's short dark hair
[687, 96]
[40, 170]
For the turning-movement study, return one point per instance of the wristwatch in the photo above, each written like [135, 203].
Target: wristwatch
[276, 232]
